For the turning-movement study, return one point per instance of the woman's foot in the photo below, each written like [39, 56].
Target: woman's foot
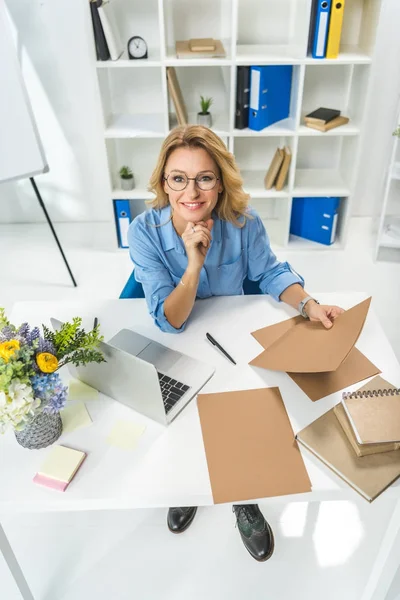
[179, 518]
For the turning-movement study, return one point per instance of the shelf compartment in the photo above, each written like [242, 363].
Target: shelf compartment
[254, 157]
[275, 214]
[206, 19]
[266, 32]
[141, 156]
[131, 126]
[358, 35]
[133, 102]
[325, 166]
[211, 82]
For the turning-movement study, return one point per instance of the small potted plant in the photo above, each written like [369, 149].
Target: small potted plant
[127, 180]
[204, 116]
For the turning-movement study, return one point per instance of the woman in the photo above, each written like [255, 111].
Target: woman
[199, 240]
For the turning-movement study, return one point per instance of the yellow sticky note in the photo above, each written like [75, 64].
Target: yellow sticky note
[125, 434]
[81, 391]
[74, 416]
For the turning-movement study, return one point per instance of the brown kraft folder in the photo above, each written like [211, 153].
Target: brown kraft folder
[250, 458]
[368, 475]
[176, 95]
[374, 412]
[360, 449]
[283, 171]
[320, 361]
[274, 167]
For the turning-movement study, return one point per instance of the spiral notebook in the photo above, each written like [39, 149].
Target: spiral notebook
[374, 412]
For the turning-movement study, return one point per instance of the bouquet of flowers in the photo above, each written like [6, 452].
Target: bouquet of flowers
[29, 361]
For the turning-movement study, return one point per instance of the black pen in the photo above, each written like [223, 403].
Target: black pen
[215, 343]
[95, 322]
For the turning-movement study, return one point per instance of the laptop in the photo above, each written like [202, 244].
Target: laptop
[154, 380]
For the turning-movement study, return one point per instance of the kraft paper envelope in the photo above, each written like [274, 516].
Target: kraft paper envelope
[250, 447]
[299, 343]
[304, 346]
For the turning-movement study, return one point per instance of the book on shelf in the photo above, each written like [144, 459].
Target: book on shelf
[102, 51]
[242, 97]
[273, 169]
[322, 115]
[202, 45]
[183, 49]
[110, 28]
[176, 95]
[284, 170]
[368, 475]
[374, 412]
[360, 449]
[338, 122]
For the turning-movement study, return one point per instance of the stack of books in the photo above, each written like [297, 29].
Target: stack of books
[359, 439]
[278, 169]
[200, 48]
[324, 119]
[107, 39]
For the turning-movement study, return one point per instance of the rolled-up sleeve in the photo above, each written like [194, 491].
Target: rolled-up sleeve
[152, 274]
[263, 266]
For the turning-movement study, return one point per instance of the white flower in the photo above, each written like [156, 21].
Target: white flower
[17, 405]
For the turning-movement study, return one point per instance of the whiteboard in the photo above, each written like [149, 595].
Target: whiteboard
[21, 152]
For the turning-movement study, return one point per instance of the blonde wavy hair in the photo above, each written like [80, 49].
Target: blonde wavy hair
[233, 201]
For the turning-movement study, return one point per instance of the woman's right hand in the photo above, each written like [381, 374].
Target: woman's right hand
[197, 240]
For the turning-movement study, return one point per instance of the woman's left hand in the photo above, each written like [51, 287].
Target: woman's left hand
[322, 312]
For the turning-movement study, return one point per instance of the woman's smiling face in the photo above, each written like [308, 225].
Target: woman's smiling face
[191, 204]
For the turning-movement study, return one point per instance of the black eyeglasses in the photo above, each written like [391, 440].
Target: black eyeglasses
[178, 181]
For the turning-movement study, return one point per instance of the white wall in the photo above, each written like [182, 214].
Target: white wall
[57, 53]
[381, 112]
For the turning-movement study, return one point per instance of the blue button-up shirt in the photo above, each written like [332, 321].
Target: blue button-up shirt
[160, 260]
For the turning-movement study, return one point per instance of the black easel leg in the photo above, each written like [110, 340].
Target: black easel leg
[51, 227]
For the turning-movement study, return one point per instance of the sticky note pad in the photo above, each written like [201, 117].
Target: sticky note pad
[74, 416]
[77, 390]
[59, 468]
[125, 434]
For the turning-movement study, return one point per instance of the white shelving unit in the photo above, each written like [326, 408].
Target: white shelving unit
[388, 239]
[138, 112]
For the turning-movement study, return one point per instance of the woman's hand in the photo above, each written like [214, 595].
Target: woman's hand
[197, 240]
[322, 312]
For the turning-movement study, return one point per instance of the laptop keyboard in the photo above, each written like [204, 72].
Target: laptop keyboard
[171, 390]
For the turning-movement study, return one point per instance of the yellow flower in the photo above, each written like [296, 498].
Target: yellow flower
[47, 362]
[8, 348]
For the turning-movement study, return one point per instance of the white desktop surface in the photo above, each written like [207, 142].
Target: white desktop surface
[168, 467]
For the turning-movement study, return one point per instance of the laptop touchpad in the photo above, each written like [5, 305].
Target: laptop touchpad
[162, 358]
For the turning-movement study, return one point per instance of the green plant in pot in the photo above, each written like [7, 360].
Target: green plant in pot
[204, 116]
[127, 179]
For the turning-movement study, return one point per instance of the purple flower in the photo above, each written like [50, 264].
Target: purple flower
[23, 332]
[35, 333]
[51, 391]
[46, 346]
[7, 333]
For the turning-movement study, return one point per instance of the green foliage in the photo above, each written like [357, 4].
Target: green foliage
[19, 366]
[4, 322]
[397, 131]
[205, 104]
[74, 344]
[125, 172]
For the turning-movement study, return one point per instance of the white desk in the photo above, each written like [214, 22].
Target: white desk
[169, 466]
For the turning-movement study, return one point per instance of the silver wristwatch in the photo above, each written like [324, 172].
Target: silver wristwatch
[302, 305]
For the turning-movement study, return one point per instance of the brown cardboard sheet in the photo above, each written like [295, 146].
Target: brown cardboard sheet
[353, 369]
[304, 346]
[250, 447]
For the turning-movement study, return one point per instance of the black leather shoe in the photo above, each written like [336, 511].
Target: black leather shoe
[256, 533]
[179, 518]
